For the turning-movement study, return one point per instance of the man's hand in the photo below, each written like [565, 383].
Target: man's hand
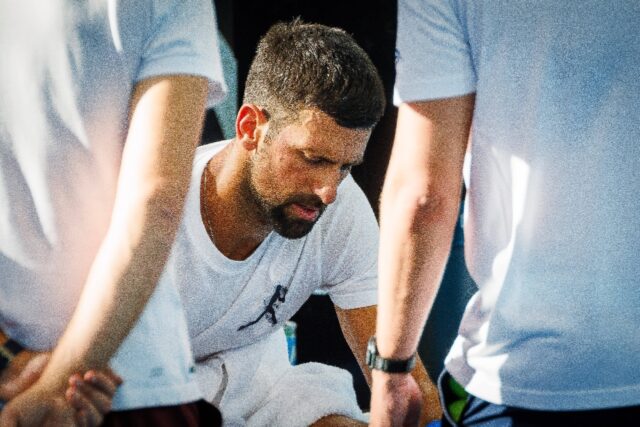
[85, 403]
[90, 395]
[396, 400]
[38, 407]
[390, 391]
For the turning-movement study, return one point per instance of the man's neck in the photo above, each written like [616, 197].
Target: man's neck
[227, 214]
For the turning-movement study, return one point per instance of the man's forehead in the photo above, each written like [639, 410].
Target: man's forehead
[319, 133]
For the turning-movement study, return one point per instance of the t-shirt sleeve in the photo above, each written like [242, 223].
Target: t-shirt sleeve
[350, 250]
[433, 57]
[184, 40]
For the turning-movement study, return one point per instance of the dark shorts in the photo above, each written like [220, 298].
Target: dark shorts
[193, 414]
[465, 410]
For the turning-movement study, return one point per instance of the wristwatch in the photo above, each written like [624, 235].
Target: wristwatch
[393, 366]
[8, 351]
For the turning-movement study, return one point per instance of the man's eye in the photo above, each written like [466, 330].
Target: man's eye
[314, 160]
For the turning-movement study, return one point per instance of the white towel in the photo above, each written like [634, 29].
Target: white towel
[255, 386]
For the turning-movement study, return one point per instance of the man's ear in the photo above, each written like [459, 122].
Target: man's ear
[251, 126]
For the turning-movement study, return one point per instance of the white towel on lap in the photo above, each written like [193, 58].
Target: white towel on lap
[255, 386]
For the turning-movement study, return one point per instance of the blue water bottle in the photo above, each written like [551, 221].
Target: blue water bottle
[290, 333]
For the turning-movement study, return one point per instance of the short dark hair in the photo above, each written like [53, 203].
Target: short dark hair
[299, 65]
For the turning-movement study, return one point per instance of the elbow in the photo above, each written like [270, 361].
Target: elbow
[426, 206]
[421, 204]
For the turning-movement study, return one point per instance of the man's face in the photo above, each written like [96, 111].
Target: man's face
[295, 173]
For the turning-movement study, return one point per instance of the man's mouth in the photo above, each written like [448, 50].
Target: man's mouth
[307, 213]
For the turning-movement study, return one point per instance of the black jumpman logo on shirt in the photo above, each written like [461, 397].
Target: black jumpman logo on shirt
[270, 310]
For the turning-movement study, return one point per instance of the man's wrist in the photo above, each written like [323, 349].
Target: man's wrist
[388, 365]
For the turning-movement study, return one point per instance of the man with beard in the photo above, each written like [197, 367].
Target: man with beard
[273, 215]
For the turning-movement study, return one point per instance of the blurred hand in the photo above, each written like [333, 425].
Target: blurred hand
[38, 407]
[85, 402]
[24, 370]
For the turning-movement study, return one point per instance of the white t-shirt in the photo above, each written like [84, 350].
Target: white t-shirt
[64, 98]
[553, 232]
[230, 303]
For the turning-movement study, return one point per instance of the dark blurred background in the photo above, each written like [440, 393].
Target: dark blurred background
[372, 23]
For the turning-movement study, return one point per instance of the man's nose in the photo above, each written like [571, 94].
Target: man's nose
[327, 190]
[327, 194]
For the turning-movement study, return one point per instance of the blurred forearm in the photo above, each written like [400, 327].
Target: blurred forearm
[165, 126]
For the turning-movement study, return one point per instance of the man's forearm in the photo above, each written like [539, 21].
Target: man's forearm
[419, 207]
[164, 131]
[409, 280]
[121, 281]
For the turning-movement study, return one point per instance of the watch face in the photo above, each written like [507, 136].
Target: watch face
[371, 352]
[371, 346]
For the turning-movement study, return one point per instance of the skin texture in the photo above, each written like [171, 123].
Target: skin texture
[299, 168]
[302, 163]
[419, 208]
[165, 125]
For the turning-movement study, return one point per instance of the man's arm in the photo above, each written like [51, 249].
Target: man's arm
[358, 325]
[419, 207]
[165, 125]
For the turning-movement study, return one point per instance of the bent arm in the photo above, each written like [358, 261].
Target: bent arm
[165, 125]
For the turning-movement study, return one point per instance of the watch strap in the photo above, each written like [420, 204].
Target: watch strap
[393, 366]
